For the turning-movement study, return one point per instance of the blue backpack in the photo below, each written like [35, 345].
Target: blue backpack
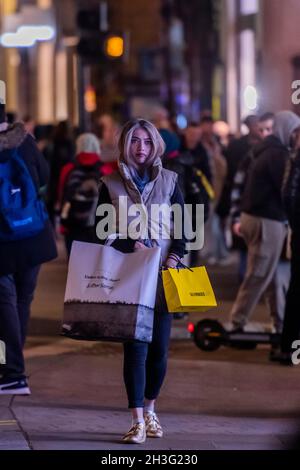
[22, 212]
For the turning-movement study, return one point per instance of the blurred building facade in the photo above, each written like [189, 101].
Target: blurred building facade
[41, 79]
[260, 51]
[280, 52]
[234, 57]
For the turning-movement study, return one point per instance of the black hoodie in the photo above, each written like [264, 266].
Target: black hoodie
[262, 196]
[291, 193]
[20, 255]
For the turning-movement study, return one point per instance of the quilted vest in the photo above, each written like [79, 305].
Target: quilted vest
[157, 191]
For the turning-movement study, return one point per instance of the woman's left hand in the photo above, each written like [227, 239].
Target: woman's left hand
[171, 263]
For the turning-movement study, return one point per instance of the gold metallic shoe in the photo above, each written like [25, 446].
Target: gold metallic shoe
[136, 434]
[153, 427]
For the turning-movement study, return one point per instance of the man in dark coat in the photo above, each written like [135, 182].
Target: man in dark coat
[291, 326]
[20, 261]
[234, 154]
[263, 221]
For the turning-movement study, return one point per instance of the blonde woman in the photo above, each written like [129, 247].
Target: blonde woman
[142, 179]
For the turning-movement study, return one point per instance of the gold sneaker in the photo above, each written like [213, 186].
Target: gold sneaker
[153, 427]
[136, 434]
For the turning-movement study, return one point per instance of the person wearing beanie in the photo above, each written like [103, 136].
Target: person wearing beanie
[264, 222]
[79, 181]
[87, 143]
[20, 257]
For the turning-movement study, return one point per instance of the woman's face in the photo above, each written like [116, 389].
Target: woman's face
[140, 146]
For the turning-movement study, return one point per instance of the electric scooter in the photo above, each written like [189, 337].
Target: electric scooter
[209, 335]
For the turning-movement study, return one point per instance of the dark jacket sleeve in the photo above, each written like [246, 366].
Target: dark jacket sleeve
[291, 192]
[202, 161]
[238, 188]
[36, 162]
[277, 166]
[180, 170]
[178, 245]
[124, 245]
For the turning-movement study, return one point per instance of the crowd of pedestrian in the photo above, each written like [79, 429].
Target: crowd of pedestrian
[249, 187]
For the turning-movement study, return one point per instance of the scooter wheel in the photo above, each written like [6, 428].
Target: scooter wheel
[209, 335]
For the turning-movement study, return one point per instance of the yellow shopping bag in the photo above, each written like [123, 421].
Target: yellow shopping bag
[188, 290]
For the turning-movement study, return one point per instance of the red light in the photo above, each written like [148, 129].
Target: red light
[191, 327]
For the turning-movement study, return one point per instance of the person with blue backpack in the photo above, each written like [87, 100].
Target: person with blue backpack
[26, 241]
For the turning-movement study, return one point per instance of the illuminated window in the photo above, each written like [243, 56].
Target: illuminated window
[249, 7]
[45, 82]
[61, 110]
[8, 6]
[231, 68]
[90, 99]
[248, 72]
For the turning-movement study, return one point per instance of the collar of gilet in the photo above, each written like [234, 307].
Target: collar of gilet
[126, 175]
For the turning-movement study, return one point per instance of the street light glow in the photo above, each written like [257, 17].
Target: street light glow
[17, 40]
[115, 46]
[181, 121]
[250, 97]
[40, 33]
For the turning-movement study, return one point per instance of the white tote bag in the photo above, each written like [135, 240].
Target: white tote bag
[110, 295]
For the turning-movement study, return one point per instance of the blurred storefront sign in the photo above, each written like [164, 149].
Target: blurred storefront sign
[28, 15]
[26, 27]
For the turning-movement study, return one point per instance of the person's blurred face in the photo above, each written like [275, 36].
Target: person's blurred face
[254, 129]
[140, 146]
[266, 128]
[295, 139]
[207, 128]
[192, 137]
[105, 120]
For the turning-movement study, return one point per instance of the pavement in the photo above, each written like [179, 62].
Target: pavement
[226, 400]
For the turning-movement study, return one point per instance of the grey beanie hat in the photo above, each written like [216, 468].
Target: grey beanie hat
[87, 143]
[286, 122]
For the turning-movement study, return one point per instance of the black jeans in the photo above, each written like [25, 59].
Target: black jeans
[16, 295]
[145, 365]
[291, 323]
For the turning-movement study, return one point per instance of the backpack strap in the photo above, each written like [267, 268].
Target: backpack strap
[16, 156]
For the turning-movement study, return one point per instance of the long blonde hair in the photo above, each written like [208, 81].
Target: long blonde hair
[158, 145]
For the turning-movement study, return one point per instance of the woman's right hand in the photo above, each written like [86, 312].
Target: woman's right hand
[139, 246]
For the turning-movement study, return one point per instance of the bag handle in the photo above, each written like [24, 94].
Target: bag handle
[181, 265]
[111, 238]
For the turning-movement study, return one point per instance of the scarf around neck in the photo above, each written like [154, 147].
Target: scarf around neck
[140, 180]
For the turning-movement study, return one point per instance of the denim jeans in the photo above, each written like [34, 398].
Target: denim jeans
[145, 365]
[16, 295]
